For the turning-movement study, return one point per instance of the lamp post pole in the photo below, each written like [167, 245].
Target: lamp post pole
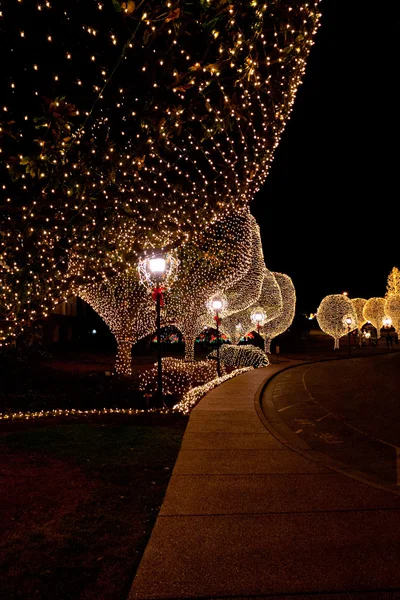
[157, 266]
[159, 355]
[218, 360]
[348, 321]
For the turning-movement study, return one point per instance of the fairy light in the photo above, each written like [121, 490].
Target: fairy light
[191, 398]
[128, 310]
[211, 265]
[358, 305]
[392, 309]
[393, 283]
[178, 376]
[188, 401]
[269, 300]
[332, 314]
[189, 141]
[283, 321]
[374, 312]
[243, 356]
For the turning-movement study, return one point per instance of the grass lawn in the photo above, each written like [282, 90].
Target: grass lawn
[78, 501]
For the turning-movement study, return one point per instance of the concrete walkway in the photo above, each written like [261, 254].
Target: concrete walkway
[245, 516]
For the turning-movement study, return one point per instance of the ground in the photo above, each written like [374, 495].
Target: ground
[79, 496]
[79, 501]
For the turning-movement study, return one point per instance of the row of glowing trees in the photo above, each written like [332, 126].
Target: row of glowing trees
[386, 322]
[158, 273]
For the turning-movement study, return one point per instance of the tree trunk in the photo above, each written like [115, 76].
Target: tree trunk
[189, 347]
[267, 345]
[123, 363]
[336, 344]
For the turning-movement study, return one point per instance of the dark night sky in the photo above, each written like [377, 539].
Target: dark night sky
[328, 211]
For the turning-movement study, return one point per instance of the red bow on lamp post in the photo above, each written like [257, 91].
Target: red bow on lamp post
[158, 291]
[218, 320]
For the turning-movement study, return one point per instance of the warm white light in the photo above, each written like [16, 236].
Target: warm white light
[217, 304]
[335, 315]
[157, 265]
[387, 321]
[258, 317]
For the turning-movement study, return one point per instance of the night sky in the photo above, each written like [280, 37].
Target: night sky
[328, 211]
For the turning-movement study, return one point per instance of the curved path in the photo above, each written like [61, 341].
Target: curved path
[348, 409]
[246, 516]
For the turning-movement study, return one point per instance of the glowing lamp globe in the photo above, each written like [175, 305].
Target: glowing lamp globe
[387, 322]
[157, 265]
[217, 304]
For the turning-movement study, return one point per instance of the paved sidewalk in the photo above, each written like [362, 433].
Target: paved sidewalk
[245, 516]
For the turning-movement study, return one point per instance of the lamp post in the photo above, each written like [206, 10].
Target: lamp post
[157, 273]
[239, 331]
[349, 322]
[259, 318]
[387, 323]
[157, 267]
[217, 305]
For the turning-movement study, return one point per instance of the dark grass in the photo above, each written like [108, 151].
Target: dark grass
[78, 502]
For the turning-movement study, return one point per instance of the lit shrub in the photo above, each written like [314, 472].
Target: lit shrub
[241, 356]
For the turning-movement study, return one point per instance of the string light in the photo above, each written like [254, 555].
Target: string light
[284, 319]
[178, 376]
[95, 167]
[128, 310]
[332, 315]
[270, 302]
[374, 312]
[358, 305]
[244, 356]
[393, 283]
[212, 264]
[189, 400]
[392, 309]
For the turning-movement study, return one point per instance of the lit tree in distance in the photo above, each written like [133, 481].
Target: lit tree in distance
[358, 305]
[392, 310]
[393, 283]
[284, 320]
[161, 116]
[332, 315]
[374, 312]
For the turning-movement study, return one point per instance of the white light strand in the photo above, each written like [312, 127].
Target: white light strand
[128, 310]
[283, 321]
[243, 356]
[374, 312]
[332, 314]
[392, 309]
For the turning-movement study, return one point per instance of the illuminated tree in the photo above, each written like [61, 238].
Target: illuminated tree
[358, 304]
[392, 309]
[212, 264]
[374, 312]
[158, 119]
[128, 310]
[269, 300]
[332, 314]
[285, 318]
[393, 283]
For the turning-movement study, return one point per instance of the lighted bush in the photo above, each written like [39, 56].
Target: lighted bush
[241, 356]
[178, 376]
